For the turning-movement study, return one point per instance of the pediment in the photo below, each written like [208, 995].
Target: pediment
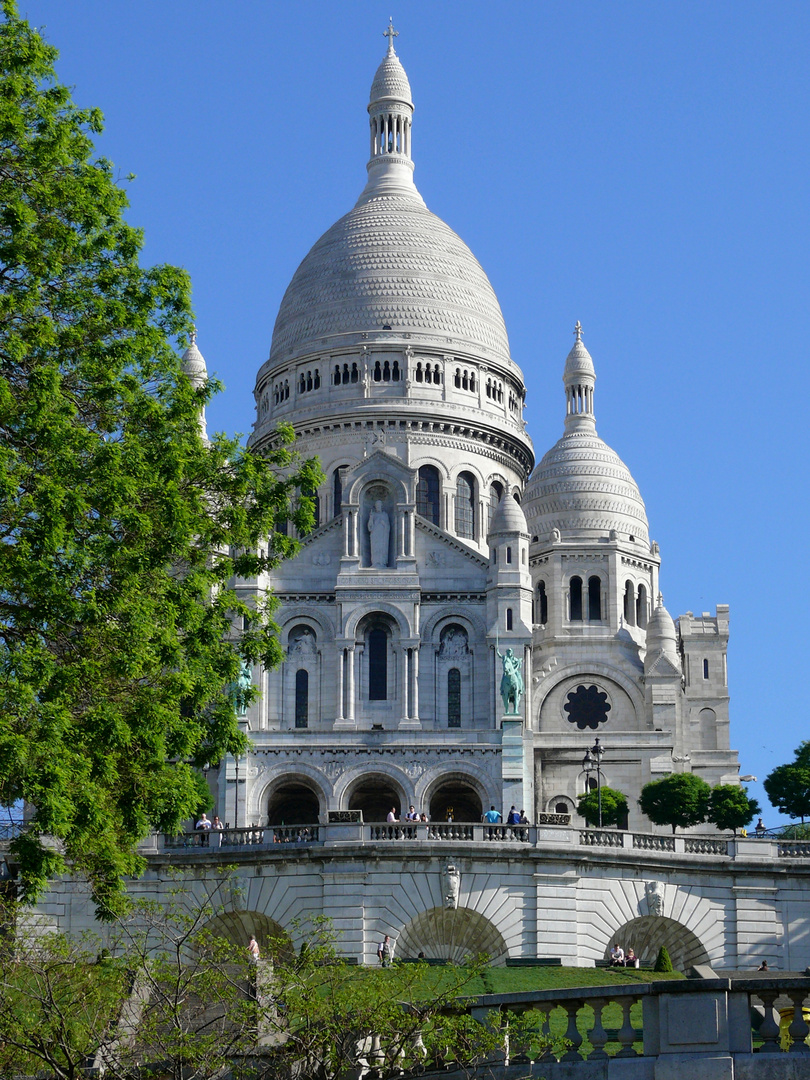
[663, 666]
[378, 466]
[432, 541]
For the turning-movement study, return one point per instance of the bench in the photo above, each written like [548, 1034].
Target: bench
[533, 961]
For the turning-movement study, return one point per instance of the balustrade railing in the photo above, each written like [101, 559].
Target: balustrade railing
[653, 842]
[544, 833]
[705, 845]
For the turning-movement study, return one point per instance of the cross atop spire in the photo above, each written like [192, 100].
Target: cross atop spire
[578, 331]
[390, 33]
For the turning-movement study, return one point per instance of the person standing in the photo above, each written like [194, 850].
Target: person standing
[494, 818]
[385, 951]
[254, 952]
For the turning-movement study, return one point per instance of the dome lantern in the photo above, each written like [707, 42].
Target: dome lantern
[579, 377]
[390, 110]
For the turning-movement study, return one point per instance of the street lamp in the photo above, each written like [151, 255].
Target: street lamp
[592, 762]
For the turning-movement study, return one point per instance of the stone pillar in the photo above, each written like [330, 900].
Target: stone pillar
[415, 699]
[350, 691]
[340, 662]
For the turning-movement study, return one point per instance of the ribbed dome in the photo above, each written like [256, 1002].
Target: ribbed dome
[391, 81]
[389, 264]
[579, 362]
[582, 487]
[662, 637]
[508, 517]
[194, 364]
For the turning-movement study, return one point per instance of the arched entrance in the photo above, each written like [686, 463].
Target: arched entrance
[293, 803]
[375, 796]
[647, 934]
[454, 934]
[237, 927]
[457, 797]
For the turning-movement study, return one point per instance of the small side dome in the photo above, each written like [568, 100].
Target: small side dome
[662, 637]
[193, 363]
[508, 518]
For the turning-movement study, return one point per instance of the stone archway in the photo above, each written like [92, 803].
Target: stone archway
[375, 796]
[647, 934]
[456, 795]
[237, 927]
[293, 802]
[455, 934]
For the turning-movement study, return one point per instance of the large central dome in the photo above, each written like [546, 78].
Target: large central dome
[390, 264]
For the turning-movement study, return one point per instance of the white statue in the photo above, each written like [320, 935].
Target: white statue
[379, 527]
[452, 886]
[654, 892]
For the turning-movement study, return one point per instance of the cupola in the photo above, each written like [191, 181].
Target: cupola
[195, 370]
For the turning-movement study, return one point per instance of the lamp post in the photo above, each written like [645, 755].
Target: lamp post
[592, 762]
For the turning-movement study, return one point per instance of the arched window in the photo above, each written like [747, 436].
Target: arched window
[495, 496]
[629, 604]
[594, 599]
[454, 697]
[465, 505]
[337, 488]
[377, 371]
[377, 664]
[705, 669]
[428, 493]
[561, 808]
[542, 600]
[508, 554]
[641, 606]
[355, 375]
[509, 625]
[576, 599]
[301, 698]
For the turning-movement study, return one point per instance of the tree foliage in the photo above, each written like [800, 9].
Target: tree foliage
[122, 529]
[788, 786]
[662, 960]
[614, 806]
[170, 994]
[680, 800]
[730, 807]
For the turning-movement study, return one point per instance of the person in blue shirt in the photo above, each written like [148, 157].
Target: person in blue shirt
[494, 818]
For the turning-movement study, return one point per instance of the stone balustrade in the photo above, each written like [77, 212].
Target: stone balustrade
[748, 1028]
[553, 832]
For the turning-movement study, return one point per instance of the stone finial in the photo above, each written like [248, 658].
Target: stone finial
[390, 33]
[194, 335]
[578, 331]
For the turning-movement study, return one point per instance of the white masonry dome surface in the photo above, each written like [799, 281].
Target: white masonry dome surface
[391, 81]
[390, 265]
[581, 487]
[193, 363]
[508, 517]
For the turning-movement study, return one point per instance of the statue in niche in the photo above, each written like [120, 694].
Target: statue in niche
[511, 682]
[238, 691]
[454, 644]
[654, 893]
[303, 643]
[556, 536]
[451, 880]
[379, 527]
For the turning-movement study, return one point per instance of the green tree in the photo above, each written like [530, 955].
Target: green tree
[788, 786]
[614, 806]
[662, 961]
[123, 531]
[730, 807]
[679, 800]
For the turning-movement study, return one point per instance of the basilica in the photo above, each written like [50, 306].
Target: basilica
[445, 564]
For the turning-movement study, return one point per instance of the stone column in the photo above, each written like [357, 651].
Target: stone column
[339, 712]
[350, 692]
[415, 675]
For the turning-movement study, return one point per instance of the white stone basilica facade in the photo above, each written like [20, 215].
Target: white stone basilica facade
[439, 546]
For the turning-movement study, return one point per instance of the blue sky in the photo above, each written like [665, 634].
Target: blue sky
[642, 167]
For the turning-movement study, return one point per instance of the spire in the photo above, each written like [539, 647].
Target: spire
[390, 110]
[194, 367]
[391, 33]
[579, 378]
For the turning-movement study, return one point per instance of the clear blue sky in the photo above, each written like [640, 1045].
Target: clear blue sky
[640, 166]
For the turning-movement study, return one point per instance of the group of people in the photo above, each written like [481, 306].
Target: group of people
[205, 825]
[514, 817]
[412, 815]
[620, 958]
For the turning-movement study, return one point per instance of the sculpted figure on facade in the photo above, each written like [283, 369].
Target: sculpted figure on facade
[654, 893]
[454, 644]
[238, 691]
[511, 682]
[451, 878]
[379, 527]
[303, 644]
